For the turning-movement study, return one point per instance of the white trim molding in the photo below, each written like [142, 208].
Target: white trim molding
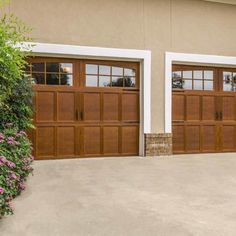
[143, 56]
[172, 57]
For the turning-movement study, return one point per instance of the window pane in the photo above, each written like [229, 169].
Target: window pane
[66, 79]
[129, 81]
[52, 79]
[38, 78]
[177, 81]
[227, 76]
[176, 74]
[187, 74]
[104, 81]
[66, 67]
[197, 74]
[234, 78]
[117, 81]
[117, 71]
[187, 84]
[129, 72]
[38, 67]
[52, 67]
[208, 85]
[104, 70]
[208, 74]
[228, 86]
[91, 81]
[197, 85]
[91, 69]
[228, 82]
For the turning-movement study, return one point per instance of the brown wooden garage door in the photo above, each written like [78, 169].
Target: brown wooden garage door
[203, 109]
[85, 108]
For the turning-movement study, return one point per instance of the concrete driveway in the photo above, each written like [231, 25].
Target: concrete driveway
[162, 196]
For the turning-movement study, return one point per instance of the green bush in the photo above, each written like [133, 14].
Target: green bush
[15, 112]
[15, 86]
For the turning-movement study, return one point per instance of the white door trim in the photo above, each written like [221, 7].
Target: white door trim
[172, 57]
[143, 56]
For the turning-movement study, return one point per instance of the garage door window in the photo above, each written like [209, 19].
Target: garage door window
[51, 73]
[109, 76]
[192, 80]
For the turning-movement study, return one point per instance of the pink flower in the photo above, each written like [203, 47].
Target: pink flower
[2, 136]
[11, 138]
[2, 190]
[9, 198]
[3, 159]
[13, 176]
[22, 186]
[12, 141]
[10, 164]
[28, 160]
[22, 133]
[28, 168]
[9, 204]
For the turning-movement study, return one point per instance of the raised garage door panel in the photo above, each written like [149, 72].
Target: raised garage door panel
[228, 137]
[228, 105]
[45, 139]
[111, 140]
[66, 106]
[208, 108]
[91, 107]
[192, 138]
[130, 108]
[45, 106]
[130, 140]
[178, 138]
[178, 107]
[66, 141]
[192, 107]
[92, 140]
[209, 138]
[111, 107]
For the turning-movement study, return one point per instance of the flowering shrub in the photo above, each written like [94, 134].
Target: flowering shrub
[15, 110]
[15, 166]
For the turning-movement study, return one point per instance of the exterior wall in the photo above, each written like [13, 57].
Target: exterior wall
[189, 26]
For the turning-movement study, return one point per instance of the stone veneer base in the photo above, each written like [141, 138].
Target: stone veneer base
[158, 144]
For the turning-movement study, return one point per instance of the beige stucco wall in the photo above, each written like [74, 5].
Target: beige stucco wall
[190, 26]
